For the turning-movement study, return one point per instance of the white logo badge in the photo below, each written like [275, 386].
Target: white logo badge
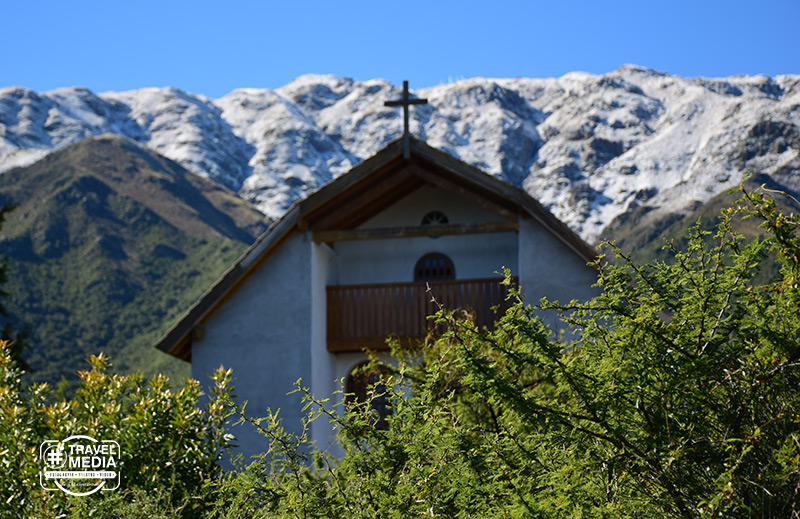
[79, 465]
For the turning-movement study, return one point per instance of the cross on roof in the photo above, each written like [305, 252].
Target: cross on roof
[405, 102]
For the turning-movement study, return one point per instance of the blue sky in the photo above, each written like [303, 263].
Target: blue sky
[212, 48]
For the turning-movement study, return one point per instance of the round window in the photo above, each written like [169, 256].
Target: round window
[435, 218]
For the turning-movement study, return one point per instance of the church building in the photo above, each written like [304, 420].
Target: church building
[349, 266]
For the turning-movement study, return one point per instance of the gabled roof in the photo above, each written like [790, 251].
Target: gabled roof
[351, 199]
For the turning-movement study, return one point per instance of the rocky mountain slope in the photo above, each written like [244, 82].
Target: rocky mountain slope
[109, 243]
[591, 148]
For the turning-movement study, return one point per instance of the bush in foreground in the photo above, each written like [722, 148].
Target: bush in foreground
[679, 397]
[169, 447]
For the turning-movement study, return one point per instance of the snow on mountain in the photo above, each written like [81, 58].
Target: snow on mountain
[589, 147]
[290, 155]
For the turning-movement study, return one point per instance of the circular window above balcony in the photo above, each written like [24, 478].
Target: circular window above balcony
[435, 218]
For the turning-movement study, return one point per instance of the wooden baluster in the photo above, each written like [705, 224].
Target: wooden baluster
[380, 301]
[358, 314]
[371, 315]
[393, 308]
[483, 304]
[369, 312]
[380, 328]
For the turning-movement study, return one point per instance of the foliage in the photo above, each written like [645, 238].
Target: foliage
[678, 397]
[169, 446]
[643, 232]
[108, 245]
[17, 340]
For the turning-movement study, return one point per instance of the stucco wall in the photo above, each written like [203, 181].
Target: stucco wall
[548, 268]
[410, 210]
[323, 371]
[382, 261]
[263, 332]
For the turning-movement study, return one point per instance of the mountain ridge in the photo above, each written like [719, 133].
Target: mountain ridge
[589, 147]
[132, 203]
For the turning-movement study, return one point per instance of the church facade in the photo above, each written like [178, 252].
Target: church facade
[350, 265]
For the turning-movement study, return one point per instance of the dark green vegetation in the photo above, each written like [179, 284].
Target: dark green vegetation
[679, 398]
[107, 245]
[17, 339]
[643, 234]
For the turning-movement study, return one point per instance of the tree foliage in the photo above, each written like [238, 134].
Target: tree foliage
[17, 339]
[169, 447]
[678, 397]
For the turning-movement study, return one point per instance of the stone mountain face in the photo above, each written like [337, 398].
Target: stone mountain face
[591, 148]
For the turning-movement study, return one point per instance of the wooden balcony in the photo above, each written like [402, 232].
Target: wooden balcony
[363, 316]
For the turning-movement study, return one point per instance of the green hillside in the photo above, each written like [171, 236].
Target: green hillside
[108, 244]
[644, 235]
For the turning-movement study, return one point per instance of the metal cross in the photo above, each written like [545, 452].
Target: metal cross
[405, 102]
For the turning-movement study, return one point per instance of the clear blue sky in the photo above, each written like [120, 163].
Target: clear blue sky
[212, 48]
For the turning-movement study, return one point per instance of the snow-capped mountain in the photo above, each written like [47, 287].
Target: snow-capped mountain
[589, 147]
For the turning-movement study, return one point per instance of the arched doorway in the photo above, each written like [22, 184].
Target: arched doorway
[361, 383]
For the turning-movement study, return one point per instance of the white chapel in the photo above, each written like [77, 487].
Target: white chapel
[348, 266]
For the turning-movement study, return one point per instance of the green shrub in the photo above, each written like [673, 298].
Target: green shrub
[169, 447]
[679, 397]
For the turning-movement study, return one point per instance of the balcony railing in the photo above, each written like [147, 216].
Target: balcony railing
[363, 316]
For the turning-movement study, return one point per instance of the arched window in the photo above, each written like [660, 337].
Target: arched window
[363, 382]
[435, 218]
[434, 266]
